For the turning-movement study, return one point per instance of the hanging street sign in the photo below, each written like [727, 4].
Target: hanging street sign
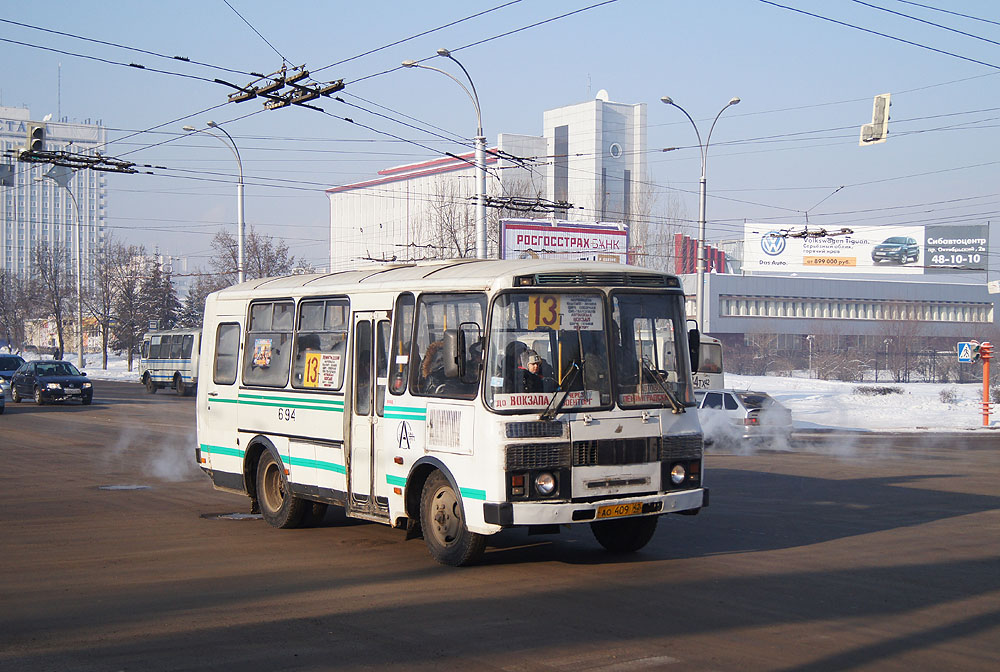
[966, 351]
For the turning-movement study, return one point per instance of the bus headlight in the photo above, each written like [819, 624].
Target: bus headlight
[677, 474]
[545, 483]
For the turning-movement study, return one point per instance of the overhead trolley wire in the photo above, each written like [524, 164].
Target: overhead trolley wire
[880, 34]
[183, 59]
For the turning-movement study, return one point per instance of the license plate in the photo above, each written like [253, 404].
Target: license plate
[71, 390]
[618, 510]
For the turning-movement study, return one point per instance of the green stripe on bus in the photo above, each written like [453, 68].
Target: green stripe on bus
[395, 480]
[223, 400]
[404, 416]
[473, 494]
[221, 450]
[315, 464]
[406, 409]
[306, 399]
[288, 403]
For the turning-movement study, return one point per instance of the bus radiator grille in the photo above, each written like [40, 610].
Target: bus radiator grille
[680, 447]
[535, 430]
[537, 455]
[607, 452]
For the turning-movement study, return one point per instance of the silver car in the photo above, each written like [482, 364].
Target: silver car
[743, 415]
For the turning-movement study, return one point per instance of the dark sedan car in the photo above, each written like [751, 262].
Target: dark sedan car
[50, 381]
[900, 249]
[8, 365]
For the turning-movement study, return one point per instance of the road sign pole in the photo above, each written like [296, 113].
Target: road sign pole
[986, 354]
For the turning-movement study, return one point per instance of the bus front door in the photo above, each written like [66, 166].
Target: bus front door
[369, 367]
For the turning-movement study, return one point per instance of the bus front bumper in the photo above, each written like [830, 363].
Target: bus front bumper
[511, 514]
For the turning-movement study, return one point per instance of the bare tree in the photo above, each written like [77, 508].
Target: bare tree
[129, 271]
[50, 286]
[262, 256]
[99, 300]
[193, 309]
[15, 306]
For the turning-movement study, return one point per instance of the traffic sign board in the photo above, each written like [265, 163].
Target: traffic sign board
[965, 351]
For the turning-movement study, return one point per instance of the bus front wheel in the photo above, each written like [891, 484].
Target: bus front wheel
[277, 505]
[147, 380]
[626, 535]
[448, 539]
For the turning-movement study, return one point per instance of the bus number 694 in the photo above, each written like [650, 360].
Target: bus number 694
[286, 414]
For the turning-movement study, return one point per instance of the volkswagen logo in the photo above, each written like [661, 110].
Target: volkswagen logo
[773, 243]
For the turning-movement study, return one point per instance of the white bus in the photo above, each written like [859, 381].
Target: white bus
[710, 374]
[169, 358]
[456, 399]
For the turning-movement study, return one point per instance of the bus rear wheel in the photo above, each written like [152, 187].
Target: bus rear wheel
[448, 539]
[626, 535]
[277, 505]
[179, 385]
[147, 380]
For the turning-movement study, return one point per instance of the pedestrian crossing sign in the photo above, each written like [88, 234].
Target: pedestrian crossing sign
[966, 351]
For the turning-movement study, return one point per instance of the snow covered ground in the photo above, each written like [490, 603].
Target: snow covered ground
[815, 404]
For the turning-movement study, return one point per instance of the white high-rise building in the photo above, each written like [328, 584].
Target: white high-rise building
[37, 209]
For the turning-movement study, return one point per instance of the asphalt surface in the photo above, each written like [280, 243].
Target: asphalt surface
[870, 552]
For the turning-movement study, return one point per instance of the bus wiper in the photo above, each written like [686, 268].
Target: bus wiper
[675, 404]
[552, 409]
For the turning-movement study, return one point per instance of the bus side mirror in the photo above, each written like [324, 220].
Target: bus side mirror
[454, 353]
[694, 345]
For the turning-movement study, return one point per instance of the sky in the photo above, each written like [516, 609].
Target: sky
[788, 150]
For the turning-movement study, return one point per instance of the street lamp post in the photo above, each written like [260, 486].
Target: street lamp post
[61, 175]
[480, 146]
[887, 342]
[240, 223]
[810, 338]
[700, 289]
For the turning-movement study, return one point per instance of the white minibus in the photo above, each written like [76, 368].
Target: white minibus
[455, 399]
[169, 358]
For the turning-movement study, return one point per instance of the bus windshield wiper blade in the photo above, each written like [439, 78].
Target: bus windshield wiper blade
[553, 408]
[675, 403]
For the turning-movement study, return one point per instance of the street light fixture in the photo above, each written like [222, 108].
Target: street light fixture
[240, 224]
[700, 289]
[62, 175]
[480, 145]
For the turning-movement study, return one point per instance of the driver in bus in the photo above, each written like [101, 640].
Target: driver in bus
[530, 373]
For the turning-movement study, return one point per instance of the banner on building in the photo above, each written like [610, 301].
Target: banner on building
[869, 249]
[538, 239]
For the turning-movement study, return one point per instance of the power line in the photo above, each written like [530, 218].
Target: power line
[183, 59]
[421, 34]
[880, 34]
[947, 11]
[924, 21]
[280, 55]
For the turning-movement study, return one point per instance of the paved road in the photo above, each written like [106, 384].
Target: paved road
[876, 555]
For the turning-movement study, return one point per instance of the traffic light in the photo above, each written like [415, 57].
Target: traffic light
[877, 131]
[36, 138]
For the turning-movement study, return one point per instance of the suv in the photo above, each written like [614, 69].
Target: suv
[728, 416]
[900, 249]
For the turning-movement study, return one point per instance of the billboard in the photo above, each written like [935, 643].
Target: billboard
[868, 249]
[534, 238]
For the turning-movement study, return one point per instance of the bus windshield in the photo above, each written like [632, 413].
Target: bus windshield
[649, 342]
[541, 342]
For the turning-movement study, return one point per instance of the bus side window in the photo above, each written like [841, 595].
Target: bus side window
[267, 355]
[176, 341]
[145, 350]
[399, 357]
[381, 363]
[227, 351]
[321, 345]
[186, 346]
[154, 347]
